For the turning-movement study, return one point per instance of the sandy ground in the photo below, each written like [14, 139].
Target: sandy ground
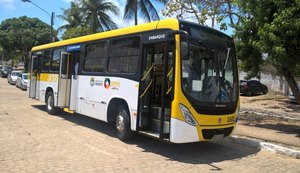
[269, 128]
[278, 104]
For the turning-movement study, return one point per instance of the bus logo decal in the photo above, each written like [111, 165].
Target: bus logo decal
[220, 120]
[92, 81]
[107, 83]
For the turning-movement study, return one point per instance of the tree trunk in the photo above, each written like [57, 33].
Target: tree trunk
[135, 12]
[292, 83]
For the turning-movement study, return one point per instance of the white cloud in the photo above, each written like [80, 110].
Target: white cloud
[8, 5]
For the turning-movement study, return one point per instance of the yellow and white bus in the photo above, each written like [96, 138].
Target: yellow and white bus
[172, 80]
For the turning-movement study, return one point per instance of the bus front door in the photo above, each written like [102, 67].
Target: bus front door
[63, 95]
[151, 107]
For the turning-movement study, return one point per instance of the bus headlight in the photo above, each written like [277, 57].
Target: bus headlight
[187, 115]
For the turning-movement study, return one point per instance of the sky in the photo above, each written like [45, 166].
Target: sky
[17, 8]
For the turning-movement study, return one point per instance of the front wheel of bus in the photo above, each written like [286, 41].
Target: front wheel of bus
[123, 124]
[50, 108]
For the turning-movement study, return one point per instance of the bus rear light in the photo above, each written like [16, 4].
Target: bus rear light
[187, 115]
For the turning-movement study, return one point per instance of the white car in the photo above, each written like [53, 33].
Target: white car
[22, 81]
[292, 97]
[13, 76]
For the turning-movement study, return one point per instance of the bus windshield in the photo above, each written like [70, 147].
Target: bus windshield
[209, 72]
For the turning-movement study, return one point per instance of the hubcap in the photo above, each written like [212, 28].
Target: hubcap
[120, 123]
[50, 102]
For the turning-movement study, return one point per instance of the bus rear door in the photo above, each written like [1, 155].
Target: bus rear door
[34, 73]
[63, 96]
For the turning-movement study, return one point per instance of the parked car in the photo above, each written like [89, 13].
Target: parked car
[292, 98]
[252, 87]
[5, 70]
[13, 76]
[22, 81]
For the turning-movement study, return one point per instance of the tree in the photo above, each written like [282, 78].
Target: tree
[72, 16]
[19, 35]
[146, 8]
[215, 11]
[96, 14]
[76, 32]
[270, 31]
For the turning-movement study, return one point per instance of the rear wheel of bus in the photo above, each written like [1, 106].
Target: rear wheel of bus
[50, 108]
[123, 124]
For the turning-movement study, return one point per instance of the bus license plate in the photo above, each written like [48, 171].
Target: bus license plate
[218, 137]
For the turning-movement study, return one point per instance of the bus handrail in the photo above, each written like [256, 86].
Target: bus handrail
[150, 83]
[145, 76]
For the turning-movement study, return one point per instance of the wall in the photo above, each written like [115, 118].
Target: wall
[274, 83]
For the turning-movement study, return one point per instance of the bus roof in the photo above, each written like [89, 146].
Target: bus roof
[168, 23]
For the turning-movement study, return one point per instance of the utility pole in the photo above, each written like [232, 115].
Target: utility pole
[51, 18]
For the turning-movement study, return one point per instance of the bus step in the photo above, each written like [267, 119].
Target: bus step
[69, 111]
[150, 133]
[154, 135]
[155, 126]
[156, 112]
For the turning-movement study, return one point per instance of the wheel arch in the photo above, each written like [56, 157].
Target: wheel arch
[111, 111]
[48, 89]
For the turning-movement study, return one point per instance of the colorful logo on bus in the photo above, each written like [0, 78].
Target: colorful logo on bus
[92, 81]
[107, 83]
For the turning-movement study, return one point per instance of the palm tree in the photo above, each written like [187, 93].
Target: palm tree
[72, 16]
[96, 14]
[146, 8]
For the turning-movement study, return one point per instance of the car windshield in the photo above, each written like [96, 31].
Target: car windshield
[25, 76]
[6, 68]
[14, 73]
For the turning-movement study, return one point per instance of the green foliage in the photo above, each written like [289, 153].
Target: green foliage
[76, 32]
[221, 12]
[21, 34]
[72, 16]
[96, 14]
[145, 7]
[88, 13]
[270, 28]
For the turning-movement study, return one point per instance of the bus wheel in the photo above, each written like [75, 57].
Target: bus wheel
[123, 124]
[50, 108]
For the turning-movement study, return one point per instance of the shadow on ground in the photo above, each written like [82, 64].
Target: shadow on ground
[192, 153]
[282, 128]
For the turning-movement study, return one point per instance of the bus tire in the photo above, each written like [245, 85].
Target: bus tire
[123, 130]
[50, 108]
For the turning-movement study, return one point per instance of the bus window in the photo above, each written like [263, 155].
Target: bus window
[95, 57]
[124, 55]
[56, 59]
[46, 61]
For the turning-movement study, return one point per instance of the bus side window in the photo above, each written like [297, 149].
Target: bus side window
[55, 61]
[95, 57]
[124, 55]
[46, 61]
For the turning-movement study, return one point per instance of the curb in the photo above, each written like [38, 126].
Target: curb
[259, 144]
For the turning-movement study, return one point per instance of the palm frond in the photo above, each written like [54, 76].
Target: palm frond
[152, 11]
[129, 10]
[144, 11]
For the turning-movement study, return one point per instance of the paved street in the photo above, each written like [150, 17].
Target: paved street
[33, 141]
